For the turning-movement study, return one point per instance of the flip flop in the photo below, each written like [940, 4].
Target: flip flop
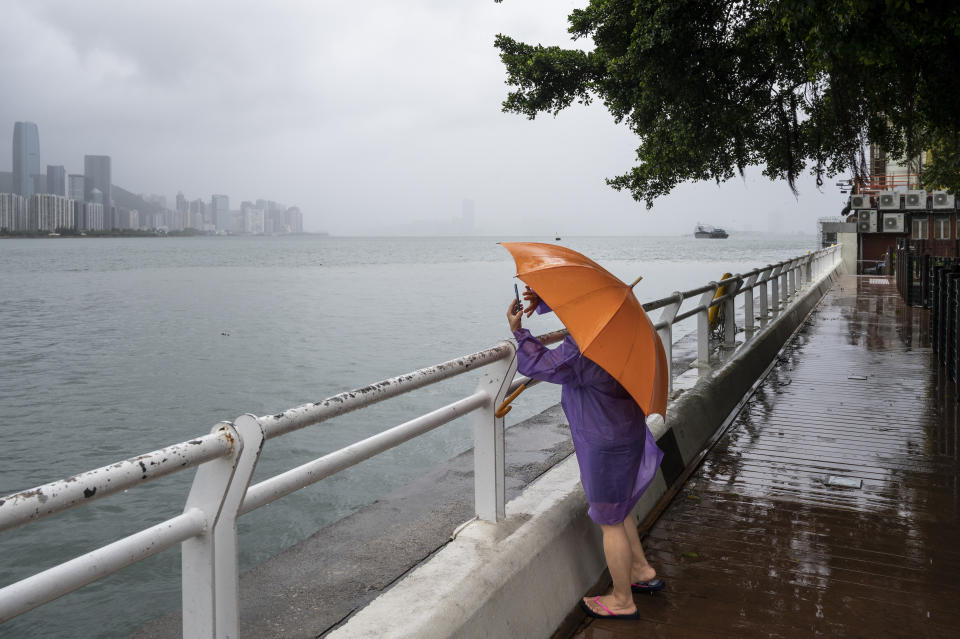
[610, 614]
[653, 585]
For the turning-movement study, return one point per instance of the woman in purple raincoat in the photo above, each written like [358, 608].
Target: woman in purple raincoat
[617, 454]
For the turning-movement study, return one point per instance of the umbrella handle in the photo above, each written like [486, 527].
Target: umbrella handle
[505, 406]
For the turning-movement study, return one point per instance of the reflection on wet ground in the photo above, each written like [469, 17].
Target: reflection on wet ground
[763, 541]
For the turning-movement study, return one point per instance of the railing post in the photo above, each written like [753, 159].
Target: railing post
[667, 315]
[784, 292]
[748, 301]
[784, 284]
[729, 313]
[226, 544]
[208, 561]
[788, 288]
[775, 289]
[764, 299]
[808, 268]
[488, 456]
[703, 327]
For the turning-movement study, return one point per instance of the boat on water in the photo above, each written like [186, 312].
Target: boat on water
[711, 232]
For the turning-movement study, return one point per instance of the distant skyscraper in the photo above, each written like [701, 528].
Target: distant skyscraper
[294, 220]
[96, 171]
[39, 183]
[13, 212]
[50, 213]
[198, 213]
[75, 190]
[220, 208]
[93, 216]
[56, 180]
[26, 157]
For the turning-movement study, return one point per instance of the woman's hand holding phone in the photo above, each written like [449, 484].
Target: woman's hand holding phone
[533, 301]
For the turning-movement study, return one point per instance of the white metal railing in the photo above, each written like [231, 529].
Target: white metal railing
[225, 459]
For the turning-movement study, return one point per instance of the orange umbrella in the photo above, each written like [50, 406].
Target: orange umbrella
[603, 316]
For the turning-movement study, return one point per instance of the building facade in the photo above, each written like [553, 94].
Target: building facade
[293, 220]
[92, 216]
[220, 212]
[197, 215]
[56, 180]
[75, 188]
[96, 171]
[48, 212]
[26, 157]
[13, 212]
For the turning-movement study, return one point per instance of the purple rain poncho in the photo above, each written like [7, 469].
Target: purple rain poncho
[617, 453]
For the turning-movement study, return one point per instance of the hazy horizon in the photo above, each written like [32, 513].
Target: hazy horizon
[368, 127]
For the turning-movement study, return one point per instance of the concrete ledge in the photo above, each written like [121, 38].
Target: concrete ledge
[520, 578]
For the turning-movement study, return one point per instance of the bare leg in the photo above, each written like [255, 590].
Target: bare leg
[617, 550]
[640, 569]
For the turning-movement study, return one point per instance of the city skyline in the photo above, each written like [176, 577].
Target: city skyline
[31, 201]
[362, 125]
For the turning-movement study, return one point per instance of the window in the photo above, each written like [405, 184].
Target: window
[919, 228]
[941, 227]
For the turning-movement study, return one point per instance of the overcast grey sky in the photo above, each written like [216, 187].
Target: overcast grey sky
[369, 116]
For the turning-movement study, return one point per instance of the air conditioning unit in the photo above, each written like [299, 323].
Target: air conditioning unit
[889, 200]
[943, 200]
[866, 221]
[915, 199]
[893, 222]
[860, 201]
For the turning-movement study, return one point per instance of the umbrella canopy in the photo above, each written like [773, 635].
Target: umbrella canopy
[603, 316]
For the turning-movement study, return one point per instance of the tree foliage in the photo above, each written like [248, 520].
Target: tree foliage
[713, 86]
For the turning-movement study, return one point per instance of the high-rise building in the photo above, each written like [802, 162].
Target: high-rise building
[56, 180]
[13, 212]
[253, 218]
[96, 171]
[75, 190]
[293, 219]
[39, 183]
[49, 212]
[198, 212]
[220, 210]
[127, 219]
[26, 157]
[92, 216]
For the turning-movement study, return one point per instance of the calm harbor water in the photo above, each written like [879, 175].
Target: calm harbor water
[115, 347]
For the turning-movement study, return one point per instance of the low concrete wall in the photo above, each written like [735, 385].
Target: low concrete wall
[521, 577]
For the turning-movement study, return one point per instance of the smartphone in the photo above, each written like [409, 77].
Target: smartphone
[519, 306]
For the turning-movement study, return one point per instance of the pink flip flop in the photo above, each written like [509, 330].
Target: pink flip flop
[610, 614]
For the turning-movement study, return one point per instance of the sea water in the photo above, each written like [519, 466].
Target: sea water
[114, 347]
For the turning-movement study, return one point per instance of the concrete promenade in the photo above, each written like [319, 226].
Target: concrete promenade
[831, 506]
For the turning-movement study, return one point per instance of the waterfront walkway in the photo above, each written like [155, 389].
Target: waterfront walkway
[830, 507]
